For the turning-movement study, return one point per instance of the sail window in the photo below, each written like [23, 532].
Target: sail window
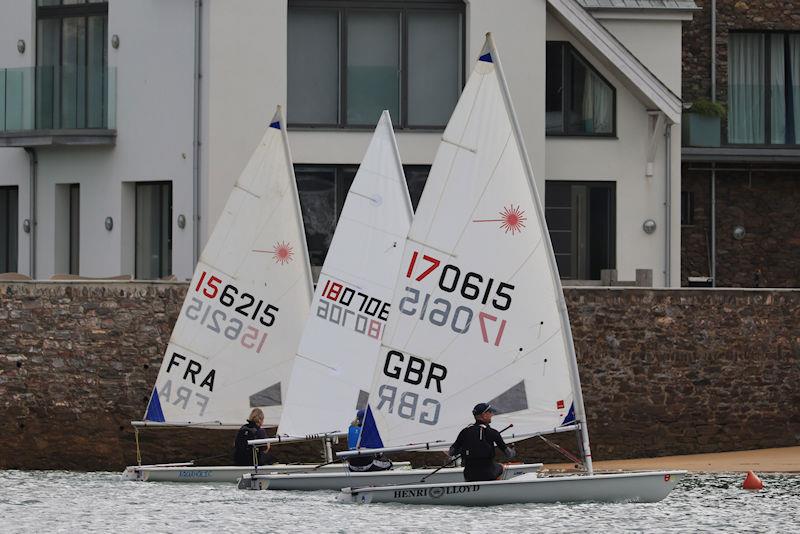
[348, 61]
[323, 189]
[153, 230]
[8, 229]
[581, 220]
[578, 100]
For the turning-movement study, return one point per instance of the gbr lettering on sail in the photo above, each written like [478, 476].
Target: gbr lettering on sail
[440, 295]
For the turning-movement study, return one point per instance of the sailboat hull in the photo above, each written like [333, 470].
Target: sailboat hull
[221, 473]
[336, 481]
[651, 486]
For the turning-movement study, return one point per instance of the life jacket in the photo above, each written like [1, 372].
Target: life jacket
[478, 445]
[242, 452]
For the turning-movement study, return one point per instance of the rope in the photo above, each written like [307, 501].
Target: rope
[138, 450]
[563, 451]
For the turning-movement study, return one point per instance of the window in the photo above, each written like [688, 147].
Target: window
[8, 229]
[687, 208]
[72, 61]
[348, 61]
[581, 219]
[323, 189]
[153, 230]
[764, 88]
[578, 100]
[67, 230]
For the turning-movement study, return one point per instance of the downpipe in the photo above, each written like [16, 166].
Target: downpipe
[668, 204]
[34, 169]
[198, 41]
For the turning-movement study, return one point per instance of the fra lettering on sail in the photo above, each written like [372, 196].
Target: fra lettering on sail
[188, 371]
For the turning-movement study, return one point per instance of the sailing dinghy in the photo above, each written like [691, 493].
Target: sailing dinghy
[234, 342]
[336, 357]
[481, 317]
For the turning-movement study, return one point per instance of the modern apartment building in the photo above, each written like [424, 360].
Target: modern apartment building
[125, 123]
[741, 191]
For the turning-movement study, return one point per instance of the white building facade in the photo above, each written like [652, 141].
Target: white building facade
[124, 124]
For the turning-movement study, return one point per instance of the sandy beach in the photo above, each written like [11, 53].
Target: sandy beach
[782, 460]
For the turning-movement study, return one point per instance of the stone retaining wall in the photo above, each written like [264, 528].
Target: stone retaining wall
[664, 372]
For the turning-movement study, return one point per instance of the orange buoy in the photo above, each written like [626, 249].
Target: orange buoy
[752, 482]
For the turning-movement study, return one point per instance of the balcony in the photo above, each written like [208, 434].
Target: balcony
[57, 106]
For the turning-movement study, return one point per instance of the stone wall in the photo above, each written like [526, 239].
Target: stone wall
[765, 205]
[731, 15]
[664, 372]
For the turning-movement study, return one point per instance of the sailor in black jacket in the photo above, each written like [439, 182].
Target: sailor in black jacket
[476, 445]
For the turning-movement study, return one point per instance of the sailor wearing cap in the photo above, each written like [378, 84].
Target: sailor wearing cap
[476, 446]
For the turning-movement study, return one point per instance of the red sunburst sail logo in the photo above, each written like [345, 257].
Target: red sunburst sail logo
[512, 219]
[283, 253]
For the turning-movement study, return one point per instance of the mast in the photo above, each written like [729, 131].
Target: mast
[566, 331]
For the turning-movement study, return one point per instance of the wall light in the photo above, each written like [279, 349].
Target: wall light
[115, 41]
[738, 232]
[181, 221]
[26, 226]
[649, 226]
[109, 223]
[21, 46]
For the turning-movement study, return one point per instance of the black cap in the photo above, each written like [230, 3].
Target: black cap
[483, 407]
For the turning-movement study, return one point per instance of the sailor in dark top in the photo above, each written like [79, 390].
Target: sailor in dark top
[476, 445]
[242, 452]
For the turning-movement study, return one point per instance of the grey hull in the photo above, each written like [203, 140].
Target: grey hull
[336, 481]
[650, 486]
[221, 473]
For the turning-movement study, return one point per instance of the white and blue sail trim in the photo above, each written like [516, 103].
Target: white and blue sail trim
[370, 437]
[154, 412]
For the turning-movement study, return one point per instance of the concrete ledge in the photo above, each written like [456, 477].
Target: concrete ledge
[61, 137]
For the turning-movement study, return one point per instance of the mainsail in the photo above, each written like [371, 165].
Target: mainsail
[479, 313]
[336, 357]
[235, 339]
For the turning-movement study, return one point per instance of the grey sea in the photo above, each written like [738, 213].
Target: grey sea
[59, 501]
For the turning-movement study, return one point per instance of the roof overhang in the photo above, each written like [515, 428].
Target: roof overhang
[636, 77]
[740, 155]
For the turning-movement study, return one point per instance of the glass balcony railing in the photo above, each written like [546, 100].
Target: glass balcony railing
[57, 98]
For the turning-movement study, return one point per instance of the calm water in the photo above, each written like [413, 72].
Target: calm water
[59, 501]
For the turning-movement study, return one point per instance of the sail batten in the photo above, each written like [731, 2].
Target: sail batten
[233, 343]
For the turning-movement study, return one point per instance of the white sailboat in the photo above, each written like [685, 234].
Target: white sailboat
[482, 318]
[339, 347]
[234, 342]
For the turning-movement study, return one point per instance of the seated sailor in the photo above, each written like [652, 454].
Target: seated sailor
[476, 446]
[242, 452]
[370, 462]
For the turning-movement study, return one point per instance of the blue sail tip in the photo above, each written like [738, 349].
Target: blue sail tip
[154, 411]
[487, 57]
[275, 124]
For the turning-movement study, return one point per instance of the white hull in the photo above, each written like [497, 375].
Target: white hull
[220, 473]
[336, 481]
[651, 486]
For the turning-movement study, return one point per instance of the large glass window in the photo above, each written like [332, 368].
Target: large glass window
[764, 88]
[8, 229]
[72, 60]
[348, 61]
[581, 219]
[323, 189]
[153, 230]
[578, 100]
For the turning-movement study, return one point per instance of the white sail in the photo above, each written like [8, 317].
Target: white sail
[477, 315]
[234, 342]
[336, 357]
